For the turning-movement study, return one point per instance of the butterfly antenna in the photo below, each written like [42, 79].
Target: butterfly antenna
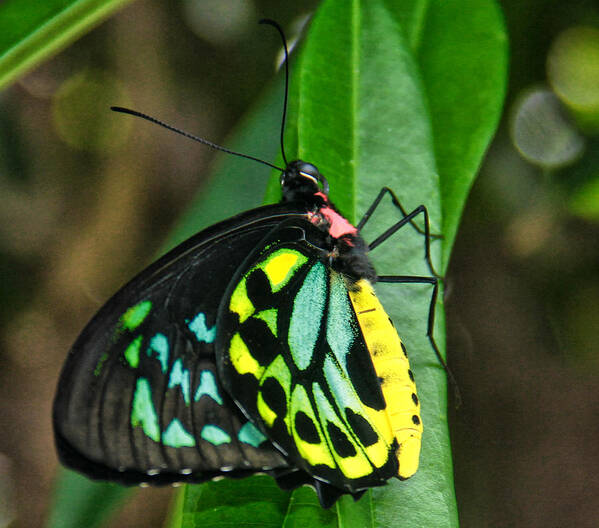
[191, 136]
[286, 61]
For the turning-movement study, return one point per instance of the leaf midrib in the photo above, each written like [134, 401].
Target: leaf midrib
[417, 24]
[355, 74]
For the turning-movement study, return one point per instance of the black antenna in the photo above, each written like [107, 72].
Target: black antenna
[191, 136]
[280, 30]
[214, 145]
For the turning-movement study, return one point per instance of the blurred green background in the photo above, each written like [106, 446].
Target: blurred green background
[87, 198]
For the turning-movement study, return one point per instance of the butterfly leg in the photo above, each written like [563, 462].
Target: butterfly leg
[408, 219]
[396, 203]
[434, 281]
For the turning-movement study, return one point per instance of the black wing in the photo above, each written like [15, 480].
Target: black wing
[139, 399]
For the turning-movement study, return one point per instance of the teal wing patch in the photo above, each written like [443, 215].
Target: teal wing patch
[139, 398]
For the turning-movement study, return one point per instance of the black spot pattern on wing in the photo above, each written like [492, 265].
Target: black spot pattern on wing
[274, 396]
[361, 428]
[361, 372]
[258, 290]
[340, 442]
[260, 340]
[306, 428]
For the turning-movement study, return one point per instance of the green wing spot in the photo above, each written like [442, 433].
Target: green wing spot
[241, 358]
[175, 435]
[250, 434]
[281, 265]
[350, 458]
[376, 451]
[270, 318]
[142, 410]
[180, 376]
[135, 315]
[100, 364]
[340, 334]
[314, 450]
[208, 387]
[215, 435]
[280, 371]
[266, 413]
[308, 307]
[200, 329]
[278, 267]
[132, 352]
[159, 344]
[240, 302]
[341, 387]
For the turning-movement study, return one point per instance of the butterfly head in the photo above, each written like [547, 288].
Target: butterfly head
[301, 180]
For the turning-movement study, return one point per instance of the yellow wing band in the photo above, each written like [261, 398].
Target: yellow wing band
[393, 368]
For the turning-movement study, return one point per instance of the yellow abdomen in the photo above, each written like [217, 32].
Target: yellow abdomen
[393, 369]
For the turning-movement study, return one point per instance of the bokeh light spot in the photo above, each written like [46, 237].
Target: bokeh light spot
[82, 115]
[573, 70]
[542, 132]
[219, 21]
[585, 201]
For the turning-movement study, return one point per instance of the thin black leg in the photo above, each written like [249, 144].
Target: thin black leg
[396, 203]
[407, 218]
[434, 281]
[421, 209]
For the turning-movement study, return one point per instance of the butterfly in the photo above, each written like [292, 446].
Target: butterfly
[256, 346]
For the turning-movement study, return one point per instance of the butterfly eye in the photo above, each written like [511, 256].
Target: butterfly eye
[307, 170]
[310, 172]
[309, 176]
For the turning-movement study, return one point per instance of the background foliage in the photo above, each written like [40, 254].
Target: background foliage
[83, 207]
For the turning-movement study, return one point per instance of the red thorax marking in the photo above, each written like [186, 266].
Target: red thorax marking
[339, 226]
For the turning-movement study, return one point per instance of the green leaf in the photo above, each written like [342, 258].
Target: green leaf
[256, 501]
[31, 31]
[220, 503]
[407, 95]
[461, 50]
[79, 501]
[462, 53]
[382, 136]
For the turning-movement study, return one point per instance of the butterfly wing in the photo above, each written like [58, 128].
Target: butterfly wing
[291, 351]
[139, 398]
